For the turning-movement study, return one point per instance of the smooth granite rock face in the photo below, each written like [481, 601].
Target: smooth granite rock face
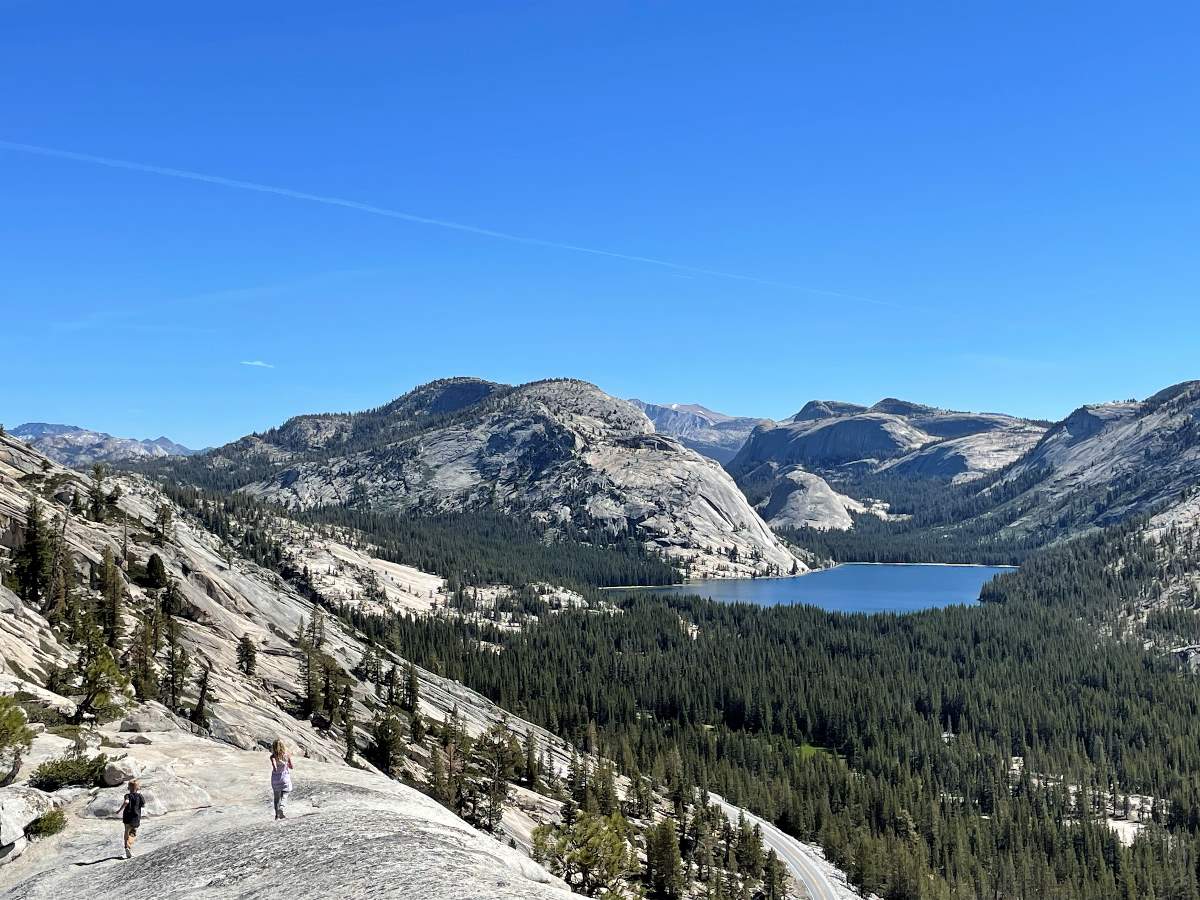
[208, 832]
[147, 719]
[164, 792]
[20, 805]
[347, 853]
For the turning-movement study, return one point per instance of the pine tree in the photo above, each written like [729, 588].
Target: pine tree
[391, 683]
[96, 496]
[16, 739]
[33, 557]
[439, 787]
[60, 607]
[112, 588]
[177, 666]
[664, 865]
[367, 666]
[775, 878]
[156, 572]
[416, 728]
[592, 854]
[247, 655]
[200, 710]
[309, 639]
[164, 524]
[412, 688]
[494, 757]
[388, 735]
[100, 679]
[532, 771]
[346, 708]
[171, 599]
[142, 654]
[329, 688]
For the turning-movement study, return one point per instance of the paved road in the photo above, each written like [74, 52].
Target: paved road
[795, 855]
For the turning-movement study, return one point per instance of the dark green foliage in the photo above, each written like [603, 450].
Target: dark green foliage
[664, 865]
[112, 588]
[156, 573]
[486, 547]
[33, 556]
[99, 679]
[97, 499]
[200, 710]
[247, 655]
[164, 524]
[495, 756]
[47, 824]
[922, 713]
[346, 710]
[591, 853]
[177, 665]
[475, 548]
[15, 738]
[73, 769]
[412, 688]
[142, 654]
[387, 734]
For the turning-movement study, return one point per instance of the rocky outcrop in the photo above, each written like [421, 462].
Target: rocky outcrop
[839, 441]
[830, 442]
[149, 717]
[799, 499]
[19, 807]
[562, 452]
[709, 433]
[826, 409]
[969, 456]
[75, 446]
[827, 435]
[1108, 461]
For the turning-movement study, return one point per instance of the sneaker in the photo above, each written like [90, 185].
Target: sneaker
[128, 853]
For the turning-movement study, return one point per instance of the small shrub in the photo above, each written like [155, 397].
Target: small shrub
[74, 769]
[51, 823]
[39, 712]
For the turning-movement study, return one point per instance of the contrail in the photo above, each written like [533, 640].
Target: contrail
[410, 217]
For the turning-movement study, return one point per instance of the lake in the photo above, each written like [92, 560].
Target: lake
[853, 587]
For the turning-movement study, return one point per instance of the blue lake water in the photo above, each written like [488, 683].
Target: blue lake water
[853, 587]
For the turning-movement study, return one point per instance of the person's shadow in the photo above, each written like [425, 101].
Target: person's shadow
[96, 862]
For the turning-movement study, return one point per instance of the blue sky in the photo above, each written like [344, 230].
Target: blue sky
[983, 206]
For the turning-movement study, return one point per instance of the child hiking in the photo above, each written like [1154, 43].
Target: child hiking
[131, 815]
[281, 776]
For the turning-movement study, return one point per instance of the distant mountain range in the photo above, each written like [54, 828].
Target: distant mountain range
[582, 463]
[73, 446]
[713, 434]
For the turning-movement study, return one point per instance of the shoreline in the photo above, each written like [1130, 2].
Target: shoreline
[652, 587]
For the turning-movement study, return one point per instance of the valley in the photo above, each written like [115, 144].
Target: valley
[674, 451]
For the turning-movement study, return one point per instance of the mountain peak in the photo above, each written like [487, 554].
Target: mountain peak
[826, 409]
[896, 407]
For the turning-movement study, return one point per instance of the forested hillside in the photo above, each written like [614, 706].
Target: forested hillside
[891, 740]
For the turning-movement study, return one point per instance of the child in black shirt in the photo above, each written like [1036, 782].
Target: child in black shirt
[131, 815]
